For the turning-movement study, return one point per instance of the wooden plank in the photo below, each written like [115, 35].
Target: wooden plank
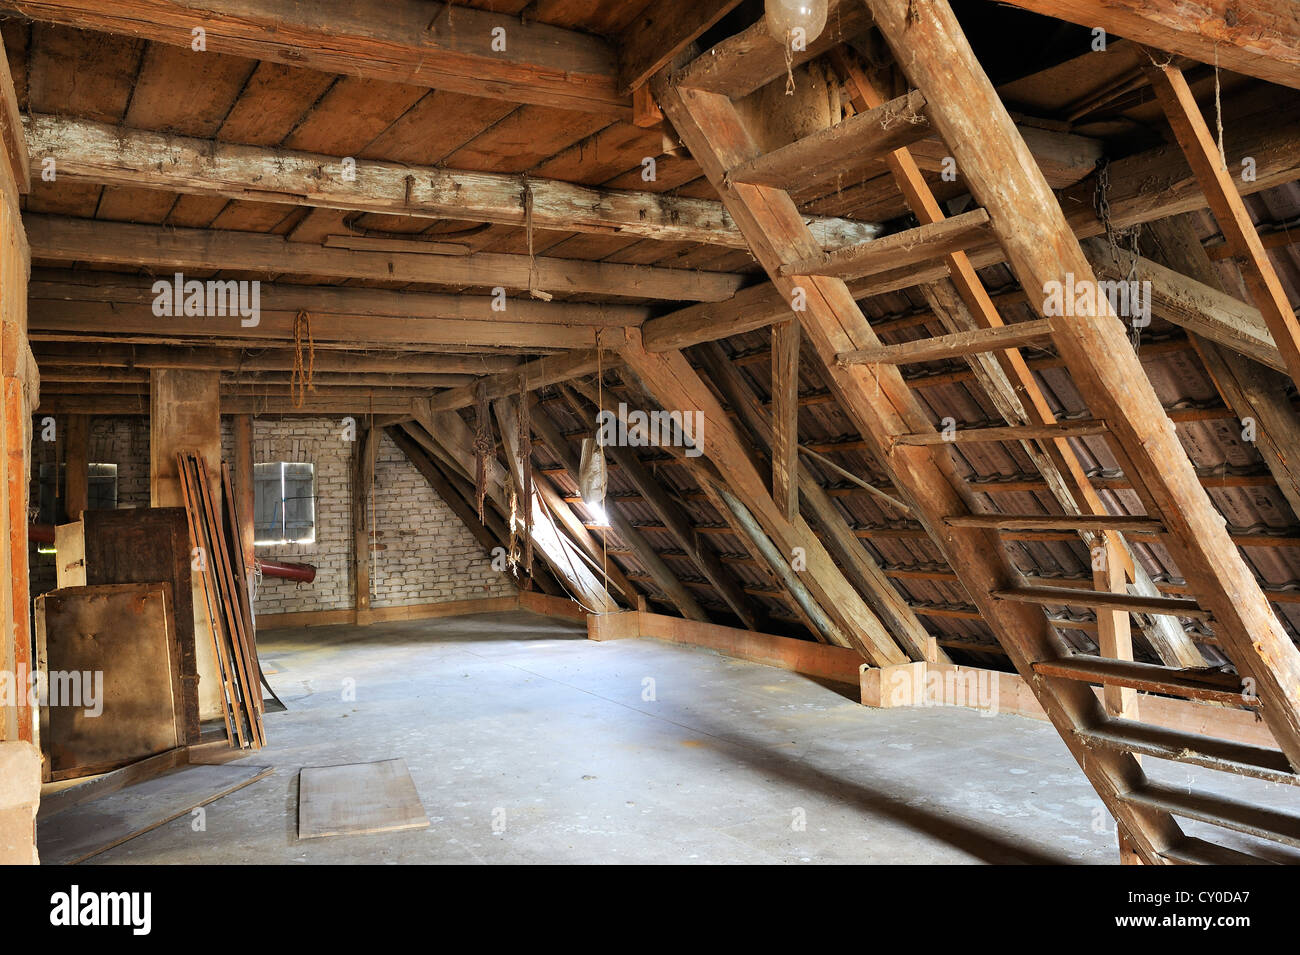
[114, 642]
[922, 244]
[167, 250]
[838, 151]
[1055, 431]
[85, 831]
[358, 798]
[1230, 211]
[953, 345]
[1075, 522]
[433, 45]
[86, 151]
[1221, 811]
[1256, 38]
[1224, 755]
[1106, 599]
[1209, 686]
[538, 373]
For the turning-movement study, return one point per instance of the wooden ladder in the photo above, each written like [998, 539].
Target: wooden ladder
[954, 99]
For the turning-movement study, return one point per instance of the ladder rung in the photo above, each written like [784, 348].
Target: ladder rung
[1049, 522]
[1193, 851]
[841, 149]
[1105, 600]
[1148, 677]
[951, 346]
[1162, 743]
[931, 241]
[1219, 811]
[1017, 432]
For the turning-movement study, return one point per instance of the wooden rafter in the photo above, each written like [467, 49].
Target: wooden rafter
[1193, 135]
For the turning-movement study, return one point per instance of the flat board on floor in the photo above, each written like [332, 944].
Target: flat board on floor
[83, 831]
[358, 798]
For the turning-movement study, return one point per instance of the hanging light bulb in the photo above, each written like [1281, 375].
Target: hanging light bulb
[796, 23]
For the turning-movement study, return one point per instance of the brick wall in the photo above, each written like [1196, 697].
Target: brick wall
[423, 552]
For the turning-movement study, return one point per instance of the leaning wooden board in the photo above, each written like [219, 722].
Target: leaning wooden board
[358, 798]
[114, 643]
[80, 832]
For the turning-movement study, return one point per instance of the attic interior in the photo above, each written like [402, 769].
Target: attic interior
[578, 431]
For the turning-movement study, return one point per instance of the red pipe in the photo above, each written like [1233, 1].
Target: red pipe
[305, 573]
[40, 533]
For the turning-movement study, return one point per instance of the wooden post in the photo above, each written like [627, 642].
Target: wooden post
[363, 478]
[242, 476]
[185, 415]
[785, 417]
[76, 466]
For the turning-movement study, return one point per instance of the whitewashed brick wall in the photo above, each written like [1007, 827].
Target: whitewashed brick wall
[424, 554]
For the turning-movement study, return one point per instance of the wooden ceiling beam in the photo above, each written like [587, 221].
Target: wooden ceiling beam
[1259, 38]
[131, 289]
[86, 151]
[53, 355]
[60, 318]
[63, 239]
[433, 45]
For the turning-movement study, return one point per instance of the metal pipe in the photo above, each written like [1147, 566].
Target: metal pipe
[40, 533]
[305, 573]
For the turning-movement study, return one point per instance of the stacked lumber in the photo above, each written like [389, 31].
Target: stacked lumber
[219, 561]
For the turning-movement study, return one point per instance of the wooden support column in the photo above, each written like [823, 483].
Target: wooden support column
[76, 465]
[785, 417]
[185, 415]
[242, 477]
[365, 450]
[18, 398]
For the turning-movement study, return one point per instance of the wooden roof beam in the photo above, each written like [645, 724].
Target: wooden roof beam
[86, 151]
[163, 249]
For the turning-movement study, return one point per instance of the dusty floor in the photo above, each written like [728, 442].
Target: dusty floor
[636, 751]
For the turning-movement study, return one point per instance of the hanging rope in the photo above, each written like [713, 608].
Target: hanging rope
[484, 447]
[533, 290]
[301, 381]
[1218, 111]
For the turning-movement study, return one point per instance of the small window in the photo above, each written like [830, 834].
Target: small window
[101, 491]
[284, 503]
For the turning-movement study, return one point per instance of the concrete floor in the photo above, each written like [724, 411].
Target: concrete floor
[520, 718]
